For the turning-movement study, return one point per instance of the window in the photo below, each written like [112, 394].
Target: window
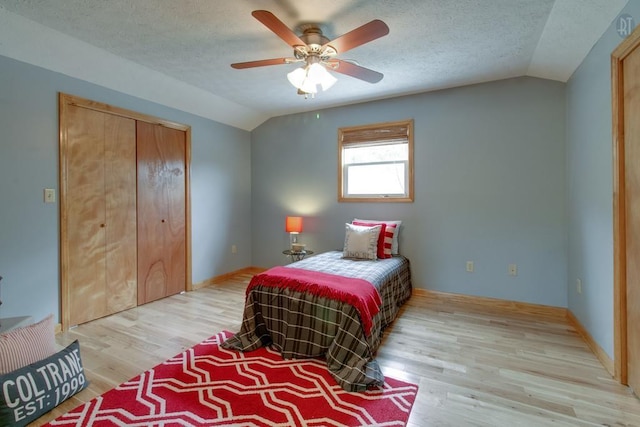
[376, 163]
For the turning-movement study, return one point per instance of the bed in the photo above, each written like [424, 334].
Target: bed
[287, 307]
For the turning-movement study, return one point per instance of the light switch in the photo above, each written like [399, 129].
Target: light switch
[49, 195]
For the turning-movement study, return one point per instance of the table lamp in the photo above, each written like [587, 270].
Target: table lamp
[293, 226]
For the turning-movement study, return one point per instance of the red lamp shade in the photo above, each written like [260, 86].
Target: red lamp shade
[293, 224]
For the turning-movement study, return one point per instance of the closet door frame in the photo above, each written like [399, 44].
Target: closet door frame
[64, 102]
[622, 307]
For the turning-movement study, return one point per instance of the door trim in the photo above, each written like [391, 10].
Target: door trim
[619, 215]
[64, 101]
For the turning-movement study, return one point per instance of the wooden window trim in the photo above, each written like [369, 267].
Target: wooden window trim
[383, 133]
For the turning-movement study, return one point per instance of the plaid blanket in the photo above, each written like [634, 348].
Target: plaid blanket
[356, 292]
[302, 325]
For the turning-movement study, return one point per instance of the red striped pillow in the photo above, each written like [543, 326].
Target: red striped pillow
[385, 240]
[29, 344]
[398, 223]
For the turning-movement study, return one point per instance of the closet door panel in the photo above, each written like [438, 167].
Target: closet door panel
[161, 211]
[86, 215]
[120, 212]
[175, 186]
[99, 246]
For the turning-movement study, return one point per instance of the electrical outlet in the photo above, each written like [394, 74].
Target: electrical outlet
[579, 286]
[513, 270]
[470, 266]
[234, 249]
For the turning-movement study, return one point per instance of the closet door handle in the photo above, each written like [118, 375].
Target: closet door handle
[102, 225]
[163, 220]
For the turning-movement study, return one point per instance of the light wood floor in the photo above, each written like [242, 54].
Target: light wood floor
[474, 368]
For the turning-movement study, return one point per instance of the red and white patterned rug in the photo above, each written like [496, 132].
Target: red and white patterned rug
[211, 386]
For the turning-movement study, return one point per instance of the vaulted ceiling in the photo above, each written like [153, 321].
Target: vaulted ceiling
[178, 52]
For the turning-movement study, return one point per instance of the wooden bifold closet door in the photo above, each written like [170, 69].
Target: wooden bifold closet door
[161, 212]
[99, 221]
[124, 209]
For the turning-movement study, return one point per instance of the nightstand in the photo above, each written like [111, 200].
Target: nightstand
[297, 255]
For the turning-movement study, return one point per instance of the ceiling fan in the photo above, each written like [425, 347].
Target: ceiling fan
[318, 53]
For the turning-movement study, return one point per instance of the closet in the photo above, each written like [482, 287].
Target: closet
[124, 210]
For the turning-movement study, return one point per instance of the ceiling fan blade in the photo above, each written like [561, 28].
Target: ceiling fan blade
[356, 71]
[262, 63]
[361, 35]
[270, 21]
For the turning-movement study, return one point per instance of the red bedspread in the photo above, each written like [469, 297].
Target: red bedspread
[357, 292]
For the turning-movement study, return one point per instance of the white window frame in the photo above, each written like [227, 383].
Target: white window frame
[400, 132]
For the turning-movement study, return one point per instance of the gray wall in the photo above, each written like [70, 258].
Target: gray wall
[490, 186]
[590, 178]
[29, 254]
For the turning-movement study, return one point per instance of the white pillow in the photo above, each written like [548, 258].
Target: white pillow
[361, 242]
[394, 243]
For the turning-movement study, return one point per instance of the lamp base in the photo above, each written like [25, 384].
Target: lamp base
[297, 247]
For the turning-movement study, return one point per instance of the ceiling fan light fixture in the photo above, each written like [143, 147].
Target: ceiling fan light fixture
[319, 75]
[308, 86]
[297, 77]
[308, 78]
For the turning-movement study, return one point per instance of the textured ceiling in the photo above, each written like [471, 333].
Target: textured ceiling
[177, 52]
